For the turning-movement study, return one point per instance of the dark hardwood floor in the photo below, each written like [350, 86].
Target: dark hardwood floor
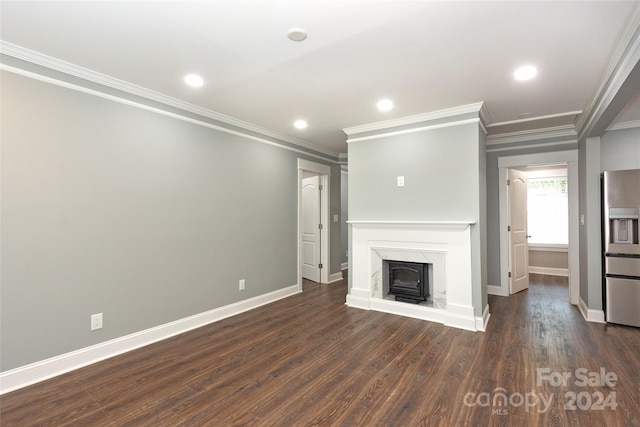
[311, 360]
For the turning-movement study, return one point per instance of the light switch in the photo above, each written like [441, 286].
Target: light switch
[401, 181]
[335, 218]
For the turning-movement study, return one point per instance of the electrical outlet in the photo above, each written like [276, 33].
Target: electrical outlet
[96, 321]
[241, 284]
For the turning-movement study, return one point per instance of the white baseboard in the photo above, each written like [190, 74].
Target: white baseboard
[457, 316]
[335, 277]
[358, 301]
[497, 290]
[408, 310]
[549, 271]
[49, 368]
[596, 316]
[481, 322]
[344, 266]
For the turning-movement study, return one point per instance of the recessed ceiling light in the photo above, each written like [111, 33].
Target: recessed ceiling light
[297, 34]
[300, 124]
[384, 105]
[525, 73]
[193, 80]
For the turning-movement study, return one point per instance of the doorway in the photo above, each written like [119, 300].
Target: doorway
[313, 221]
[570, 158]
[518, 230]
[311, 226]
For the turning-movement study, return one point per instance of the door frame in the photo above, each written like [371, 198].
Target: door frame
[570, 158]
[324, 172]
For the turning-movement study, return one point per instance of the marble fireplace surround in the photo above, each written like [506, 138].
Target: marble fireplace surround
[444, 244]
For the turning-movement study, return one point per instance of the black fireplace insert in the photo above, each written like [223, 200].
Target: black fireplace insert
[408, 281]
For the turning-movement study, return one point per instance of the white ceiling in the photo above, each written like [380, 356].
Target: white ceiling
[424, 55]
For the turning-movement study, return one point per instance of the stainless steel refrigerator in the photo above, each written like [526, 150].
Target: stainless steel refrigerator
[621, 206]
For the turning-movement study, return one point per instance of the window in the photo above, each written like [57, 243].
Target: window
[548, 210]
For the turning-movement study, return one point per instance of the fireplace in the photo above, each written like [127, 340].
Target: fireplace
[408, 281]
[444, 245]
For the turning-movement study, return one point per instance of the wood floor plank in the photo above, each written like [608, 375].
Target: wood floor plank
[52, 405]
[309, 360]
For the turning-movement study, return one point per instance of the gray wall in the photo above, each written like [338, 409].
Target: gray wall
[145, 218]
[481, 230]
[441, 173]
[344, 216]
[548, 259]
[444, 170]
[620, 150]
[335, 236]
[590, 268]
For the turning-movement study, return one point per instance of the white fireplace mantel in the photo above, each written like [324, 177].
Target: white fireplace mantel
[435, 225]
[444, 244]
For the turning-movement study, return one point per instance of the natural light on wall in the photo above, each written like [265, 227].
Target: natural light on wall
[548, 210]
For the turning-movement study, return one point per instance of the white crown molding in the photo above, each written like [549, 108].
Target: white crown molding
[52, 63]
[620, 63]
[624, 125]
[564, 131]
[482, 127]
[485, 117]
[537, 118]
[418, 118]
[412, 130]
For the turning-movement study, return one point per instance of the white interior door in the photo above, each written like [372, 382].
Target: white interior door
[311, 226]
[518, 246]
